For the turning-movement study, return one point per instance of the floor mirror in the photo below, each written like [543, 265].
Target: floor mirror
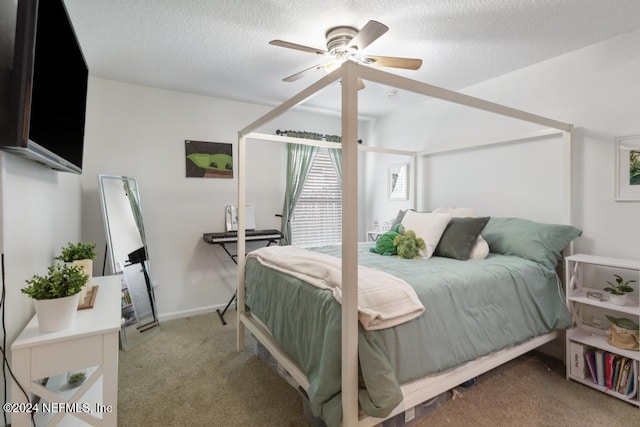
[127, 254]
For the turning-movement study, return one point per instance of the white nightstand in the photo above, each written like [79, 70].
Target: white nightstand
[41, 362]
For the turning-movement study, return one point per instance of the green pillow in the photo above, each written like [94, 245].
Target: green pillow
[538, 242]
[460, 237]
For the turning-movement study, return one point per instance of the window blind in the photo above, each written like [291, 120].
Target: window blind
[317, 217]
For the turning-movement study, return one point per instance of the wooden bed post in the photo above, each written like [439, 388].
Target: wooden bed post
[566, 179]
[242, 201]
[349, 245]
[413, 173]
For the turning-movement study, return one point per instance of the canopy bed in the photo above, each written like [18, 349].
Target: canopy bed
[401, 386]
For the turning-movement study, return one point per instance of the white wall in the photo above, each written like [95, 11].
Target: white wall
[595, 88]
[40, 211]
[140, 132]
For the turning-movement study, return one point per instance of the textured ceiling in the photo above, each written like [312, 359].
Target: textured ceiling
[221, 47]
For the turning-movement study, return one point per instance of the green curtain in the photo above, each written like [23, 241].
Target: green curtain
[135, 207]
[299, 161]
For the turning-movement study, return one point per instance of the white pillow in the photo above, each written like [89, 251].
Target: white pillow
[481, 248]
[429, 226]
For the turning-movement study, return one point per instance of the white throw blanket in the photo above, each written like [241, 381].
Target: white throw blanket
[384, 300]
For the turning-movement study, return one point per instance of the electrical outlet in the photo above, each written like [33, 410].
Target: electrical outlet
[409, 414]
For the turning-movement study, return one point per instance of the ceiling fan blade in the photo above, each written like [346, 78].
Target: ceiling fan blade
[391, 61]
[295, 46]
[301, 74]
[368, 34]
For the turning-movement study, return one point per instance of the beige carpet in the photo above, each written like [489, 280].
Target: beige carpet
[190, 374]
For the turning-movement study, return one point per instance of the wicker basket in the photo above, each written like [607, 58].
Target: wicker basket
[626, 339]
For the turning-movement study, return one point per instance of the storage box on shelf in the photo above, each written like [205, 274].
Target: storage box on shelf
[589, 332]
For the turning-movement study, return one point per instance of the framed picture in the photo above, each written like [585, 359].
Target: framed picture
[628, 169]
[208, 159]
[399, 182]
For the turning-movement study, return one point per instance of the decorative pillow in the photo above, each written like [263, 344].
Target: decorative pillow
[429, 226]
[460, 237]
[539, 242]
[480, 249]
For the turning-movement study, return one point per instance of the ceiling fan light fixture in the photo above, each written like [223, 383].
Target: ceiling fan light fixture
[345, 43]
[338, 40]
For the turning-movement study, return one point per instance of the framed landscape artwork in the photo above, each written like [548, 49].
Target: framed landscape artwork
[628, 168]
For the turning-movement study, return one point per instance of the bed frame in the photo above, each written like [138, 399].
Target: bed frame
[349, 73]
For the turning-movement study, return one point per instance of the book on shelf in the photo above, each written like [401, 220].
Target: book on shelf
[630, 388]
[590, 357]
[625, 370]
[600, 374]
[616, 372]
[608, 370]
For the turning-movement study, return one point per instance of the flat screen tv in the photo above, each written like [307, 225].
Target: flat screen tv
[48, 89]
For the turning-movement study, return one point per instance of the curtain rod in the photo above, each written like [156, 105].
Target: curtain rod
[326, 137]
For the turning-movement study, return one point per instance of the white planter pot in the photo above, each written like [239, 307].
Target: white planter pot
[57, 314]
[618, 299]
[87, 266]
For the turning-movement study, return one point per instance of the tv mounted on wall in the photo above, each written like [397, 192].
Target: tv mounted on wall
[48, 89]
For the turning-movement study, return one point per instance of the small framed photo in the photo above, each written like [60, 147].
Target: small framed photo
[399, 182]
[628, 169]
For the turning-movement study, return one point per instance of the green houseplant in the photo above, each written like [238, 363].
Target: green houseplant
[56, 296]
[619, 289]
[77, 251]
[82, 255]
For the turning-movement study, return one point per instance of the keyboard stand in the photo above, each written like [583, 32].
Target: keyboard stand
[221, 239]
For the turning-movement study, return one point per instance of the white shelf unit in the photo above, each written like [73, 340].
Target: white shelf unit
[42, 360]
[591, 336]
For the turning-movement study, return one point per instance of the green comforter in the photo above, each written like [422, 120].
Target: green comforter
[472, 308]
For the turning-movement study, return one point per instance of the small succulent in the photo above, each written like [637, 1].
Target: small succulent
[621, 286]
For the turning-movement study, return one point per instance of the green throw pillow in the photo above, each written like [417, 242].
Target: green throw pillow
[538, 242]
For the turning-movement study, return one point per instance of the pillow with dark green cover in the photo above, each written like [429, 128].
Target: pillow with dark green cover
[460, 237]
[539, 242]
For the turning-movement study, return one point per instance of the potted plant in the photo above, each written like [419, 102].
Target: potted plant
[618, 290]
[82, 255]
[56, 296]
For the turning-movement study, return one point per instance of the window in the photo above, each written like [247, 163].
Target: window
[317, 217]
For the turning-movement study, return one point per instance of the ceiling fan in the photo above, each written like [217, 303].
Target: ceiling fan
[344, 43]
